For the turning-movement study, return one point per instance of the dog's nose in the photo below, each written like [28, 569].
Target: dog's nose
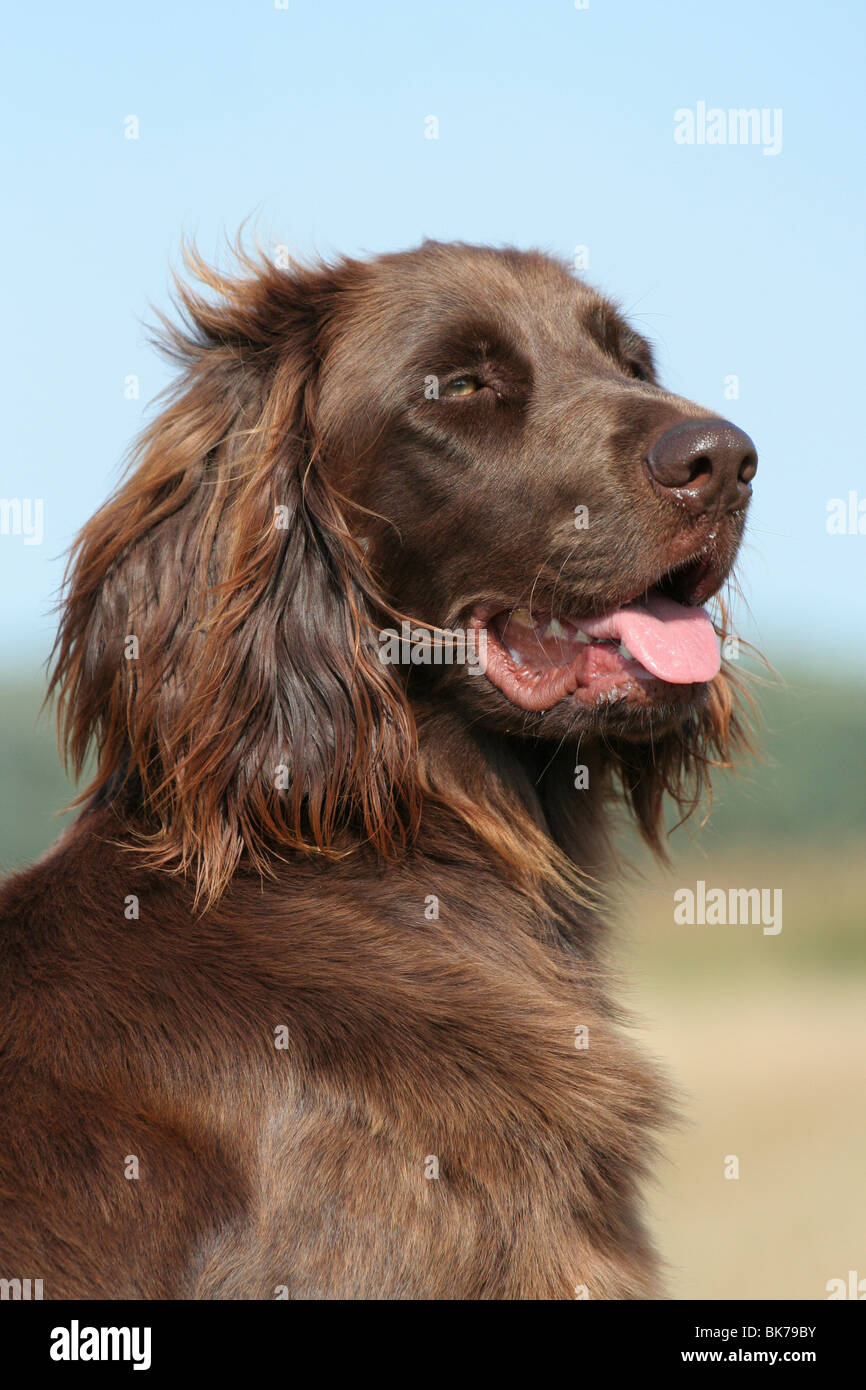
[708, 465]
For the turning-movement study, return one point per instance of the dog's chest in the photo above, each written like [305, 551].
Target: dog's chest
[456, 1128]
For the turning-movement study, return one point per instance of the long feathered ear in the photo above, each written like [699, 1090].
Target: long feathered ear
[218, 639]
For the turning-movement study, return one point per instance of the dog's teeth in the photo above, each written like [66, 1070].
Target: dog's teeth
[580, 636]
[624, 652]
[555, 629]
[515, 656]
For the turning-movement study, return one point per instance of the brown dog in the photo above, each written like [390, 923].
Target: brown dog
[310, 997]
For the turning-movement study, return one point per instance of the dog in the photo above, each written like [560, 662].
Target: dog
[311, 999]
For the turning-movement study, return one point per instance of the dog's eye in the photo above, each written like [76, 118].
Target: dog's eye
[639, 370]
[461, 386]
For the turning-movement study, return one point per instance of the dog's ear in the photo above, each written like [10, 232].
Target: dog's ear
[218, 639]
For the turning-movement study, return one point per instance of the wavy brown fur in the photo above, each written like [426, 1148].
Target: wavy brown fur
[283, 812]
[257, 644]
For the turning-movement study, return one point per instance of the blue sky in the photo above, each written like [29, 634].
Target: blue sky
[556, 129]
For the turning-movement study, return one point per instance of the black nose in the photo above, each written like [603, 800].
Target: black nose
[708, 465]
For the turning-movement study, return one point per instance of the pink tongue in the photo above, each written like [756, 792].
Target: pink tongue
[675, 643]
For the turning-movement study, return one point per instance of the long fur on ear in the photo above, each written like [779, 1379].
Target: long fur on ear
[218, 641]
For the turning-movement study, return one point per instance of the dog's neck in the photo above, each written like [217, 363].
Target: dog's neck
[563, 790]
[537, 797]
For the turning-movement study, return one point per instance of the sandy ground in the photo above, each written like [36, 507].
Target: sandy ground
[778, 1082]
[768, 1049]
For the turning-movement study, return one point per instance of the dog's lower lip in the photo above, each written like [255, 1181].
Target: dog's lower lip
[641, 652]
[623, 677]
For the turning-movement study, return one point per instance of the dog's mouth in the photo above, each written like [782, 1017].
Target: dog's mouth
[648, 650]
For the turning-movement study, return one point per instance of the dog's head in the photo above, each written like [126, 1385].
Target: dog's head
[524, 473]
[468, 439]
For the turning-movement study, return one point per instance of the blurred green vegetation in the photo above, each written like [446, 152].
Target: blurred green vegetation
[808, 781]
[808, 786]
[34, 787]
